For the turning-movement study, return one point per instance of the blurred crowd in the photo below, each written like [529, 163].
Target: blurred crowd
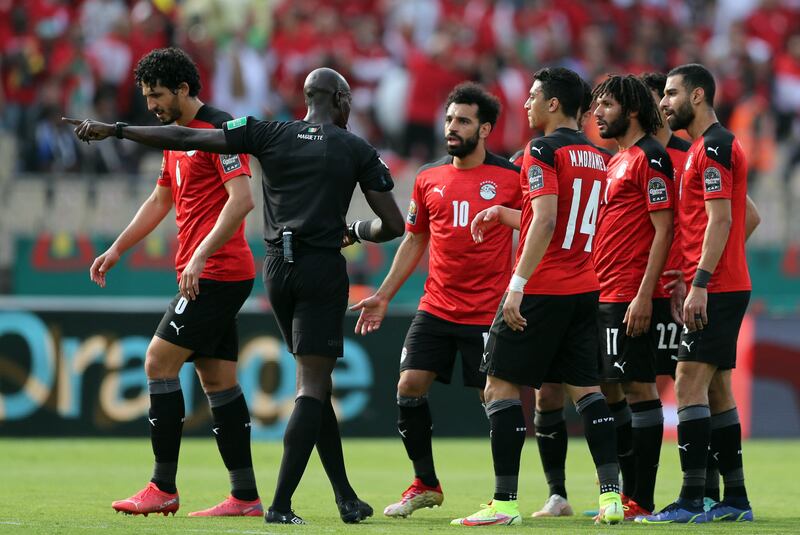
[76, 58]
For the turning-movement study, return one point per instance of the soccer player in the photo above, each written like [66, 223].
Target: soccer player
[211, 195]
[712, 206]
[311, 168]
[551, 426]
[547, 321]
[458, 305]
[634, 234]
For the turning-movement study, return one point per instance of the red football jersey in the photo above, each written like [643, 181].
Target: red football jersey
[466, 280]
[715, 169]
[197, 180]
[639, 182]
[566, 164]
[677, 149]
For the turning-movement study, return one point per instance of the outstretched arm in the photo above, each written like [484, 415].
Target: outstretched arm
[161, 137]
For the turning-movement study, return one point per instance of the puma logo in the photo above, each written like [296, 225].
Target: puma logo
[177, 329]
[684, 448]
[537, 149]
[621, 366]
[716, 456]
[551, 436]
[714, 150]
[215, 430]
[152, 421]
[402, 432]
[674, 357]
[485, 354]
[688, 346]
[439, 190]
[657, 162]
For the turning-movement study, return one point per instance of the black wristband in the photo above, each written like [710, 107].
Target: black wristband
[118, 126]
[701, 278]
[351, 232]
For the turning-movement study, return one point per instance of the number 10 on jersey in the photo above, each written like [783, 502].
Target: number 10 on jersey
[460, 213]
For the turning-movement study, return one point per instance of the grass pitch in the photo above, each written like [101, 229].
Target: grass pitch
[66, 487]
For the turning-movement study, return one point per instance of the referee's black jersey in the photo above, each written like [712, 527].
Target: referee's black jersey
[310, 173]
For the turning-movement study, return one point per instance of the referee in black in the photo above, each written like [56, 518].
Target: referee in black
[311, 168]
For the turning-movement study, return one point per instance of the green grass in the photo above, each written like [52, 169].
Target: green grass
[66, 486]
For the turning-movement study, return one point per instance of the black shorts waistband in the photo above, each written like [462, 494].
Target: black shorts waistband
[299, 249]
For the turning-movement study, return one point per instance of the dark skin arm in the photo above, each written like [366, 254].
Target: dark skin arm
[161, 137]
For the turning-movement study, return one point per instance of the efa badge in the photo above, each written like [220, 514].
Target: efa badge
[657, 190]
[411, 218]
[712, 180]
[230, 162]
[488, 190]
[535, 178]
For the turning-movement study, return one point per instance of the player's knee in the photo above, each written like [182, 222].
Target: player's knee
[157, 367]
[549, 397]
[637, 392]
[409, 387]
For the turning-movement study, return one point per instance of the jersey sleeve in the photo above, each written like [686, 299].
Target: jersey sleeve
[417, 218]
[248, 134]
[655, 180]
[232, 165]
[539, 166]
[715, 169]
[164, 177]
[374, 174]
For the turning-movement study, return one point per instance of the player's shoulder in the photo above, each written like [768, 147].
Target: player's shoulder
[213, 116]
[718, 143]
[497, 161]
[678, 143]
[655, 155]
[431, 167]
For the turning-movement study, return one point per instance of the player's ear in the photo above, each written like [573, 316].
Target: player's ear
[553, 104]
[183, 89]
[698, 95]
[484, 130]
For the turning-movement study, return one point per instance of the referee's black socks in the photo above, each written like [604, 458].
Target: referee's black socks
[166, 425]
[415, 426]
[231, 428]
[329, 448]
[598, 426]
[551, 437]
[298, 441]
[507, 424]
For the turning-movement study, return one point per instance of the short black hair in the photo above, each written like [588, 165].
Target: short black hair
[563, 84]
[473, 93]
[586, 103]
[633, 96]
[169, 67]
[694, 76]
[656, 81]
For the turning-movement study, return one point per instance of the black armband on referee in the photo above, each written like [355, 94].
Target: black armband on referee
[701, 278]
[352, 233]
[362, 230]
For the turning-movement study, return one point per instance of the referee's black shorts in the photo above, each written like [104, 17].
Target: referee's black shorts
[560, 341]
[207, 325]
[716, 343]
[309, 300]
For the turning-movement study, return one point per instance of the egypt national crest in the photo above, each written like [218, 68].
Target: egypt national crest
[488, 190]
[712, 180]
[535, 178]
[230, 162]
[411, 218]
[657, 190]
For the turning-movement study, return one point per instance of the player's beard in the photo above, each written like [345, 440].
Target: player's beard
[466, 148]
[681, 117]
[616, 128]
[171, 114]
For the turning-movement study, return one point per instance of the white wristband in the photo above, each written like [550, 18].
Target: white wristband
[355, 228]
[517, 284]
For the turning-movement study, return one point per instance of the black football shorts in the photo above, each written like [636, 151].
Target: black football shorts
[716, 343]
[207, 325]
[623, 358]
